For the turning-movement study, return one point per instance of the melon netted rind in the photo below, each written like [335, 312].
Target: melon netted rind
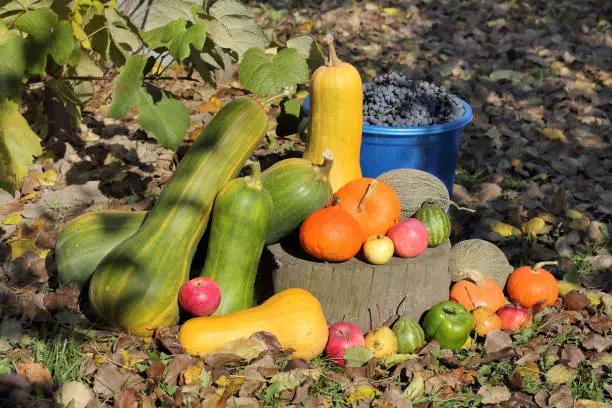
[415, 187]
[474, 258]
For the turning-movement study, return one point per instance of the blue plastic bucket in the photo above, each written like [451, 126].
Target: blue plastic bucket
[432, 149]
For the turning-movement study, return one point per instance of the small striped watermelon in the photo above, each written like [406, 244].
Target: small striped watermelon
[409, 334]
[436, 221]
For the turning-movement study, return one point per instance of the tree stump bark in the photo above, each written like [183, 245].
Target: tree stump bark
[354, 291]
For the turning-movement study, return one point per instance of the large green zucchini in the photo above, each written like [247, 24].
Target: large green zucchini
[240, 220]
[135, 287]
[84, 241]
[298, 188]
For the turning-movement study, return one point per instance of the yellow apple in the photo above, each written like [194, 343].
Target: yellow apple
[378, 249]
[381, 342]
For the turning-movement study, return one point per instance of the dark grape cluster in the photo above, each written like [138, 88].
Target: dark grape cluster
[393, 100]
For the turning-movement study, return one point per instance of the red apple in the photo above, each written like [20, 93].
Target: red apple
[514, 318]
[342, 336]
[378, 249]
[410, 238]
[200, 296]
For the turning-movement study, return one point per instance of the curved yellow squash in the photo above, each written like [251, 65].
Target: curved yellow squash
[294, 316]
[336, 103]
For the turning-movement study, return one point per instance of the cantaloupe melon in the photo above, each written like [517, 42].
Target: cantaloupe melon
[414, 187]
[476, 258]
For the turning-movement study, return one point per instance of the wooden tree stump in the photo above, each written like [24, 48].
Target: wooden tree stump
[354, 290]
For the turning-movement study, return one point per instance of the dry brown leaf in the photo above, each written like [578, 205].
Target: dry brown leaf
[35, 373]
[541, 398]
[110, 379]
[572, 355]
[155, 370]
[575, 300]
[494, 394]
[77, 392]
[126, 398]
[600, 359]
[561, 397]
[497, 340]
[242, 402]
[247, 349]
[175, 368]
[600, 324]
[396, 398]
[594, 341]
[488, 192]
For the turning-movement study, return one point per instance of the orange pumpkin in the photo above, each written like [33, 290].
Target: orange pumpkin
[331, 234]
[529, 286]
[485, 320]
[472, 295]
[373, 204]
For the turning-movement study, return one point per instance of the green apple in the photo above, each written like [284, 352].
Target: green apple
[378, 249]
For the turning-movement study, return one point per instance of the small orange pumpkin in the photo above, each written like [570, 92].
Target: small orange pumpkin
[529, 286]
[485, 320]
[373, 204]
[331, 234]
[472, 295]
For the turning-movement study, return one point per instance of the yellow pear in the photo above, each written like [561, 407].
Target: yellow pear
[381, 342]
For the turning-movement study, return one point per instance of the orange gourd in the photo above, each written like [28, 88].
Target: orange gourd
[485, 320]
[373, 204]
[331, 234]
[336, 117]
[471, 295]
[529, 286]
[294, 316]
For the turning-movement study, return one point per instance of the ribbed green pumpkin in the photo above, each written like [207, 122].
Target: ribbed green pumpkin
[298, 188]
[436, 221]
[240, 220]
[135, 287]
[409, 334]
[85, 240]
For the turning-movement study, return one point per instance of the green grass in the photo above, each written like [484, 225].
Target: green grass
[469, 180]
[589, 384]
[62, 356]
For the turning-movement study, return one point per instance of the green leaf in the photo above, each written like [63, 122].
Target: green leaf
[162, 12]
[10, 10]
[66, 93]
[233, 26]
[357, 356]
[178, 38]
[17, 146]
[12, 63]
[269, 75]
[45, 37]
[167, 120]
[122, 31]
[306, 45]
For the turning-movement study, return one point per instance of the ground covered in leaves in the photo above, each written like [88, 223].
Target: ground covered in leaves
[535, 164]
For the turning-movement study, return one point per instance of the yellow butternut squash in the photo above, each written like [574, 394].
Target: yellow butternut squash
[294, 316]
[336, 101]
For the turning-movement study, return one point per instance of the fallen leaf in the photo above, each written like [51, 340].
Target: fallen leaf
[561, 397]
[12, 219]
[155, 370]
[360, 391]
[35, 373]
[110, 379]
[505, 74]
[594, 341]
[583, 403]
[494, 394]
[600, 360]
[357, 356]
[534, 226]
[561, 374]
[269, 340]
[242, 402]
[505, 230]
[497, 340]
[572, 355]
[393, 11]
[176, 367]
[12, 207]
[395, 398]
[213, 105]
[247, 349]
[575, 300]
[76, 393]
[541, 398]
[553, 134]
[21, 246]
[396, 359]
[48, 178]
[126, 398]
[488, 192]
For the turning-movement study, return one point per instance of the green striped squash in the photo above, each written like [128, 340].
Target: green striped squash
[298, 188]
[409, 334]
[240, 220]
[436, 221]
[135, 287]
[84, 241]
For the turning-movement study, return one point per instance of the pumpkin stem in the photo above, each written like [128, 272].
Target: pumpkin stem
[254, 180]
[332, 60]
[322, 170]
[335, 201]
[539, 265]
[454, 204]
[367, 195]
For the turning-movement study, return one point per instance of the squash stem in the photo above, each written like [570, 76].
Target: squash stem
[322, 170]
[332, 60]
[254, 180]
[454, 204]
[367, 195]
[539, 265]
